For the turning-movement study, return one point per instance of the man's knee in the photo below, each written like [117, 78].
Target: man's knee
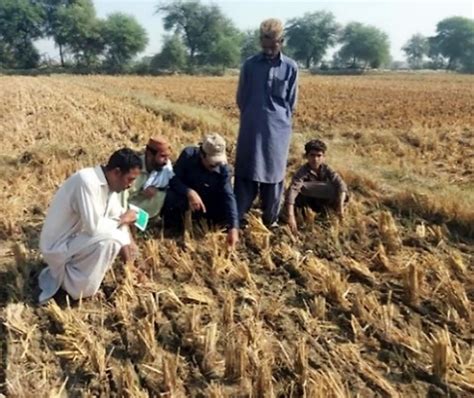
[110, 246]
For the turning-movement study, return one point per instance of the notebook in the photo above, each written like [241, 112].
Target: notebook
[142, 217]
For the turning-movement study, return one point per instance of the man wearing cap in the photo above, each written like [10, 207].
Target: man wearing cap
[266, 97]
[202, 183]
[149, 190]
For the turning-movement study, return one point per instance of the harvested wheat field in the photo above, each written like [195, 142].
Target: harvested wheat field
[378, 305]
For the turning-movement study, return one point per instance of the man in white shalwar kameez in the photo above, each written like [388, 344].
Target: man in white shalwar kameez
[86, 227]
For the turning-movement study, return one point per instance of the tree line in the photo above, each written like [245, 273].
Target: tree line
[200, 37]
[82, 38]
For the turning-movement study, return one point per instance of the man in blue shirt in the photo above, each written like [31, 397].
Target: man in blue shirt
[202, 183]
[266, 97]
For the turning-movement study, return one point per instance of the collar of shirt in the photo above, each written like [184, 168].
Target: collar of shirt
[167, 166]
[318, 173]
[100, 175]
[279, 58]
[101, 179]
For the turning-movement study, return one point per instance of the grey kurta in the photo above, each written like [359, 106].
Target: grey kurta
[157, 178]
[266, 97]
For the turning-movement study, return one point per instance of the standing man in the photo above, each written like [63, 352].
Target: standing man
[202, 184]
[149, 189]
[266, 97]
[86, 227]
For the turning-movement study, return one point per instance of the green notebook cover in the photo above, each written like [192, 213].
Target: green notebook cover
[142, 217]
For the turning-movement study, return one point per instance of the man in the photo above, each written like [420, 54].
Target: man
[315, 185]
[266, 97]
[149, 189]
[86, 227]
[202, 183]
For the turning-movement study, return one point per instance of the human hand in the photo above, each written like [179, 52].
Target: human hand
[232, 238]
[195, 201]
[341, 207]
[134, 250]
[292, 224]
[149, 192]
[292, 219]
[129, 217]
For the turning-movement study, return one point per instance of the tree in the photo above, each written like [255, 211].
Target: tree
[200, 26]
[416, 48]
[364, 45]
[454, 40]
[250, 44]
[223, 48]
[311, 35]
[225, 52]
[53, 23]
[172, 56]
[21, 22]
[437, 61]
[79, 30]
[123, 38]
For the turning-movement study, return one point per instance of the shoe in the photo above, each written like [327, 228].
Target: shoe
[273, 225]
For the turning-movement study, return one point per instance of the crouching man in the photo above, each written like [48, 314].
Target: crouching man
[149, 189]
[202, 183]
[315, 185]
[86, 227]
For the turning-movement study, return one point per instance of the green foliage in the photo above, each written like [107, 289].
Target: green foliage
[364, 45]
[172, 56]
[53, 28]
[225, 52]
[224, 48]
[204, 30]
[21, 22]
[416, 48]
[454, 41]
[123, 38]
[250, 44]
[309, 36]
[80, 32]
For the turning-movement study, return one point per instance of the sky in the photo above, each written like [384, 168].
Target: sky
[400, 19]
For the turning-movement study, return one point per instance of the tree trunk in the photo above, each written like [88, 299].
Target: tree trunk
[450, 64]
[308, 62]
[61, 55]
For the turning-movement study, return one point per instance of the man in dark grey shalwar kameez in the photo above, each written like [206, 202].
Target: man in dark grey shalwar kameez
[266, 97]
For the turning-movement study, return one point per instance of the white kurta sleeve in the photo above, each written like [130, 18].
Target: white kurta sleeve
[91, 212]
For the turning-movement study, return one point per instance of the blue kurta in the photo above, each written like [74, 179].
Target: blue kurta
[266, 97]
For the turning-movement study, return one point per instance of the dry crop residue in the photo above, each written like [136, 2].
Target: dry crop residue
[379, 305]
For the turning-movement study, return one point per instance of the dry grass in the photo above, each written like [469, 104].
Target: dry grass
[377, 305]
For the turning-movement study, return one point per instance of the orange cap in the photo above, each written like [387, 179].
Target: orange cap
[159, 145]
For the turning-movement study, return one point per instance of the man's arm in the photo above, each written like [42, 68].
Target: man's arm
[341, 189]
[295, 186]
[230, 204]
[92, 213]
[231, 211]
[337, 180]
[292, 192]
[241, 87]
[293, 90]
[176, 183]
